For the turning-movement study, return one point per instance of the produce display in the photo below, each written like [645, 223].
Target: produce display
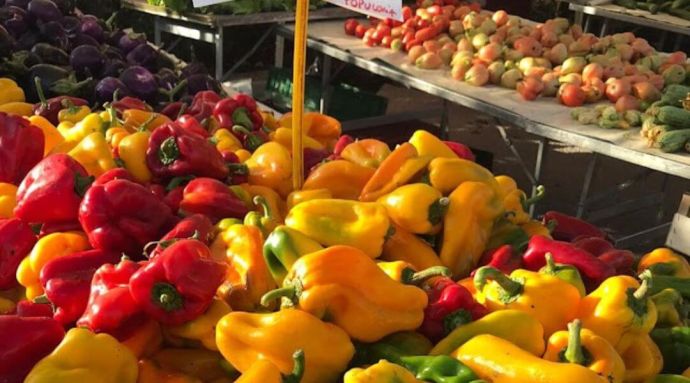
[138, 246]
[53, 50]
[235, 7]
[679, 8]
[550, 59]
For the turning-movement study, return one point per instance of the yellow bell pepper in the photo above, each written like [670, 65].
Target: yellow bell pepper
[204, 365]
[399, 168]
[72, 113]
[515, 326]
[248, 277]
[265, 371]
[115, 135]
[271, 166]
[150, 372]
[19, 108]
[405, 246]
[10, 91]
[344, 179]
[473, 209]
[533, 228]
[270, 121]
[283, 136]
[428, 144]
[642, 357]
[500, 361]
[343, 283]
[264, 218]
[93, 153]
[50, 133]
[446, 174]
[275, 202]
[368, 152]
[83, 356]
[618, 307]
[283, 247]
[75, 132]
[135, 120]
[666, 262]
[515, 201]
[364, 225]
[551, 300]
[396, 270]
[322, 128]
[243, 155]
[8, 199]
[381, 372]
[226, 141]
[49, 247]
[417, 208]
[298, 196]
[132, 151]
[245, 338]
[145, 340]
[581, 346]
[109, 116]
[203, 328]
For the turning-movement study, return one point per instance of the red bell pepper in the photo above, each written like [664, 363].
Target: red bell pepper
[34, 309]
[16, 241]
[213, 199]
[594, 245]
[51, 107]
[569, 228]
[25, 341]
[503, 258]
[114, 174]
[190, 124]
[173, 110]
[67, 280]
[174, 151]
[592, 269]
[123, 216]
[312, 158]
[21, 147]
[239, 172]
[461, 150]
[126, 103]
[239, 109]
[195, 226]
[203, 104]
[178, 285]
[251, 139]
[450, 305]
[111, 308]
[621, 260]
[58, 227]
[340, 145]
[52, 191]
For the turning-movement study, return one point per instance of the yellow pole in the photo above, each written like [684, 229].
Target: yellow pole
[298, 68]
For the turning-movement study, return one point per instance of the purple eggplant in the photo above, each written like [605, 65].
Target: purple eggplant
[14, 19]
[80, 39]
[143, 55]
[193, 68]
[166, 78]
[28, 39]
[54, 33]
[6, 42]
[111, 52]
[88, 17]
[200, 82]
[106, 88]
[44, 10]
[23, 4]
[113, 68]
[114, 37]
[50, 54]
[87, 61]
[65, 6]
[129, 41]
[70, 24]
[140, 82]
[93, 29]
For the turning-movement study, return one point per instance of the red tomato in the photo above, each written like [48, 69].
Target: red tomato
[407, 37]
[571, 95]
[426, 34]
[386, 41]
[350, 26]
[407, 13]
[360, 30]
[423, 23]
[434, 10]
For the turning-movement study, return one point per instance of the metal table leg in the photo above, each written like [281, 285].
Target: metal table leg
[325, 83]
[280, 51]
[588, 23]
[591, 167]
[218, 41]
[445, 126]
[579, 16]
[157, 31]
[605, 27]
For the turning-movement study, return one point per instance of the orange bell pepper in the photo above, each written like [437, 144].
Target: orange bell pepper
[367, 152]
[320, 127]
[344, 179]
[397, 169]
[135, 119]
[146, 339]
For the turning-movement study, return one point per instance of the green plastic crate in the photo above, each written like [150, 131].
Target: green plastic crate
[346, 102]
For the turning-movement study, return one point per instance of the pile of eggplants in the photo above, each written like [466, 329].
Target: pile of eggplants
[81, 55]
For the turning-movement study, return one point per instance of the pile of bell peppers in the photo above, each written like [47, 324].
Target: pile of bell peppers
[169, 246]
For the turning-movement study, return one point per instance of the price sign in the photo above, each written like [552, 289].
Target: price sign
[377, 8]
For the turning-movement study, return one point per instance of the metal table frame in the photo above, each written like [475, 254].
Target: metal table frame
[504, 118]
[608, 15]
[210, 28]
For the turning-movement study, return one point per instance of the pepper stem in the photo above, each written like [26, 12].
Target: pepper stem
[145, 125]
[261, 201]
[486, 273]
[456, 319]
[289, 292]
[238, 169]
[550, 264]
[574, 353]
[644, 288]
[240, 116]
[551, 225]
[166, 296]
[297, 369]
[538, 196]
[39, 91]
[437, 210]
[417, 278]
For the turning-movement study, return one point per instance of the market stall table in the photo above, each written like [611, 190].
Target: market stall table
[544, 117]
[209, 28]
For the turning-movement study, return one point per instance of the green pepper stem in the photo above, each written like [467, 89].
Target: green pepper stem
[421, 276]
[486, 273]
[662, 268]
[644, 288]
[550, 264]
[456, 319]
[39, 91]
[551, 225]
[438, 209]
[261, 201]
[240, 116]
[297, 369]
[289, 292]
[574, 353]
[167, 297]
[538, 196]
[145, 125]
[239, 129]
[41, 299]
[238, 169]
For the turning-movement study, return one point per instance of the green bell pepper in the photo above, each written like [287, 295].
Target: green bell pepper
[670, 308]
[661, 282]
[439, 369]
[666, 378]
[392, 348]
[283, 247]
[674, 343]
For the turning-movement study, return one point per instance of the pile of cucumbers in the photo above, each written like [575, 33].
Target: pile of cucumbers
[679, 8]
[666, 123]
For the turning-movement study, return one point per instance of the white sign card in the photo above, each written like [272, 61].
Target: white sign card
[205, 3]
[377, 8]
